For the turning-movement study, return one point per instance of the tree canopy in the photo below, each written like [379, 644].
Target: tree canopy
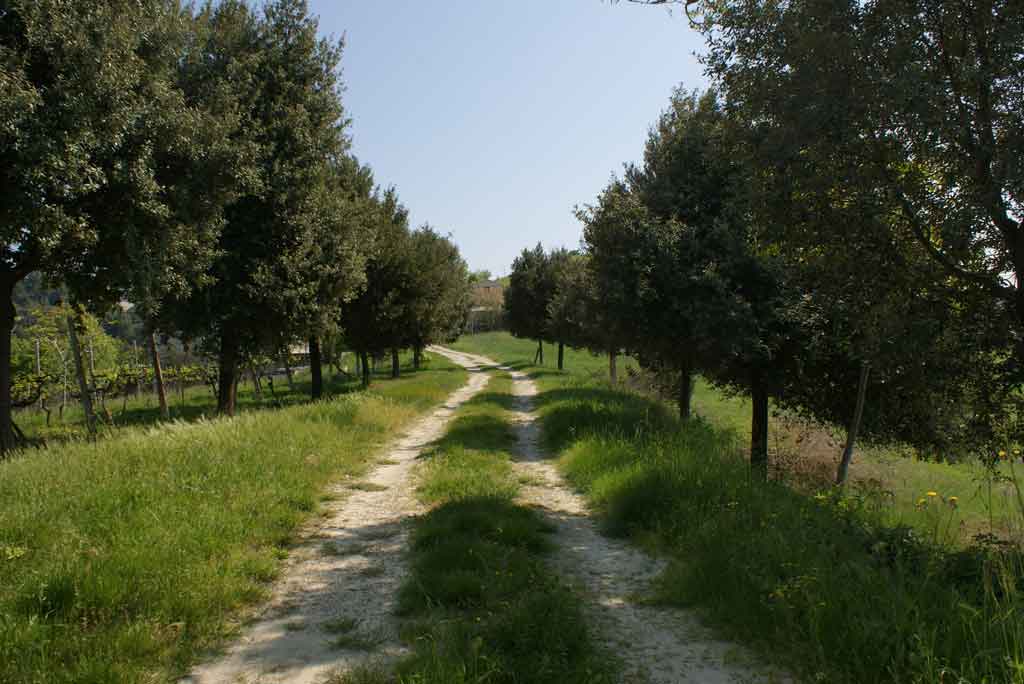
[195, 161]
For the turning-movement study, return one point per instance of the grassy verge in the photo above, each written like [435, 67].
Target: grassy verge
[481, 604]
[124, 560]
[895, 482]
[822, 585]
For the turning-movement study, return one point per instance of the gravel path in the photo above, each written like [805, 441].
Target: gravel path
[334, 607]
[658, 645]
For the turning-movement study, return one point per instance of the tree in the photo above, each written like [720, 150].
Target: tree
[95, 135]
[675, 258]
[339, 254]
[372, 321]
[916, 104]
[689, 176]
[439, 291]
[576, 316]
[870, 184]
[530, 290]
[267, 282]
[570, 306]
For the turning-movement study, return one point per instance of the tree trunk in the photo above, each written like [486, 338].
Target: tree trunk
[288, 369]
[613, 366]
[417, 357]
[396, 368]
[257, 388]
[327, 356]
[538, 358]
[83, 385]
[759, 431]
[39, 374]
[181, 387]
[227, 387]
[7, 314]
[364, 361]
[561, 356]
[685, 393]
[315, 368]
[158, 376]
[851, 433]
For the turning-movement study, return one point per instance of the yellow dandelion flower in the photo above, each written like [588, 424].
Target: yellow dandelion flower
[933, 494]
[1002, 453]
[921, 502]
[953, 501]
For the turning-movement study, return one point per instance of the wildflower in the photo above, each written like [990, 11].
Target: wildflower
[933, 494]
[953, 501]
[1002, 454]
[921, 502]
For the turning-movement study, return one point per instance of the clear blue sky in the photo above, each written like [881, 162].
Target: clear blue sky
[495, 118]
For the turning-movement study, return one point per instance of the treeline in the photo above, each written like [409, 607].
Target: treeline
[835, 226]
[196, 162]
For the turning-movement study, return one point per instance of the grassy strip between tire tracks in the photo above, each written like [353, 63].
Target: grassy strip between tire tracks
[818, 584]
[123, 561]
[481, 604]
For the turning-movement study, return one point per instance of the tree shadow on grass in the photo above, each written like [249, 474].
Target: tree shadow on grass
[476, 432]
[571, 413]
[502, 400]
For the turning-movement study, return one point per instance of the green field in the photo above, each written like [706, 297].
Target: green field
[124, 560]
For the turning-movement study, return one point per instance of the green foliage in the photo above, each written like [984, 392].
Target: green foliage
[128, 559]
[195, 161]
[49, 327]
[918, 103]
[573, 312]
[531, 288]
[880, 134]
[373, 321]
[438, 300]
[272, 251]
[34, 292]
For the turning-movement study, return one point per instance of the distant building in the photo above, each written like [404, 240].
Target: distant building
[488, 310]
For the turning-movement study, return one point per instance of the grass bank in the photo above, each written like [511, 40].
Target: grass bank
[124, 560]
[481, 604]
[825, 586]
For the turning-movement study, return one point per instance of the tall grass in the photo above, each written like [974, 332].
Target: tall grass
[122, 561]
[819, 584]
